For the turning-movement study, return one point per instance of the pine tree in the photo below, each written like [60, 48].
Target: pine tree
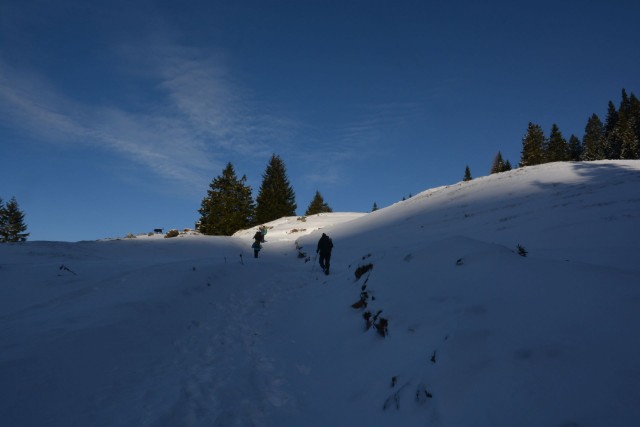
[532, 146]
[318, 205]
[629, 148]
[498, 164]
[507, 166]
[228, 206]
[467, 174]
[3, 222]
[13, 227]
[626, 128]
[574, 149]
[634, 115]
[593, 140]
[556, 146]
[625, 103]
[612, 143]
[276, 197]
[375, 207]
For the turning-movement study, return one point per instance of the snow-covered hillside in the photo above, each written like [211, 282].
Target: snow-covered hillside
[186, 332]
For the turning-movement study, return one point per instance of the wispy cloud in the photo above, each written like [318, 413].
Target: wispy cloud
[198, 118]
[26, 101]
[191, 116]
[204, 94]
[368, 136]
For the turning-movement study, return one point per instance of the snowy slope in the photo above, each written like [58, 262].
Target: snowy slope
[185, 332]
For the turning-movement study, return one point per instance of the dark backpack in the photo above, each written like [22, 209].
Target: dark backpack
[325, 244]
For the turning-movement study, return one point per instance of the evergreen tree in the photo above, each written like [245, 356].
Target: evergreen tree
[276, 198]
[556, 146]
[626, 128]
[625, 103]
[612, 143]
[13, 227]
[629, 148]
[593, 140]
[507, 166]
[574, 149]
[318, 205]
[467, 174]
[375, 207]
[532, 146]
[498, 164]
[228, 206]
[3, 222]
[634, 115]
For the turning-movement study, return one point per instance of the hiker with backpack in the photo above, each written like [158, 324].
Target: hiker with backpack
[264, 229]
[258, 238]
[256, 248]
[324, 251]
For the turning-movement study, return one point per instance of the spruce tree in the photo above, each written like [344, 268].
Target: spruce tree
[276, 198]
[626, 128]
[634, 114]
[3, 222]
[228, 206]
[625, 103]
[629, 148]
[556, 146]
[593, 140]
[498, 164]
[574, 149]
[532, 146]
[13, 227]
[375, 207]
[318, 205]
[612, 143]
[467, 174]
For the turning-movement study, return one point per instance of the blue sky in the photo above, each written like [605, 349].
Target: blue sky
[115, 116]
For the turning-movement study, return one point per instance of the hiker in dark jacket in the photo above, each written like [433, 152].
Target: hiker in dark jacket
[324, 250]
[256, 248]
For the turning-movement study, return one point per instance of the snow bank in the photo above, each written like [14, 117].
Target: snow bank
[193, 331]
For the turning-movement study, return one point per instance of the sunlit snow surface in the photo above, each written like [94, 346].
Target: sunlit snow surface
[187, 332]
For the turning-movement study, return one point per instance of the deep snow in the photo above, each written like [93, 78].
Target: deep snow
[186, 332]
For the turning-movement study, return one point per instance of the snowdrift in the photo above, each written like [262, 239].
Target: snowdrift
[509, 300]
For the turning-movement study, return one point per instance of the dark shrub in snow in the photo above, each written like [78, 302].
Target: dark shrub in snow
[363, 269]
[381, 326]
[172, 233]
[521, 251]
